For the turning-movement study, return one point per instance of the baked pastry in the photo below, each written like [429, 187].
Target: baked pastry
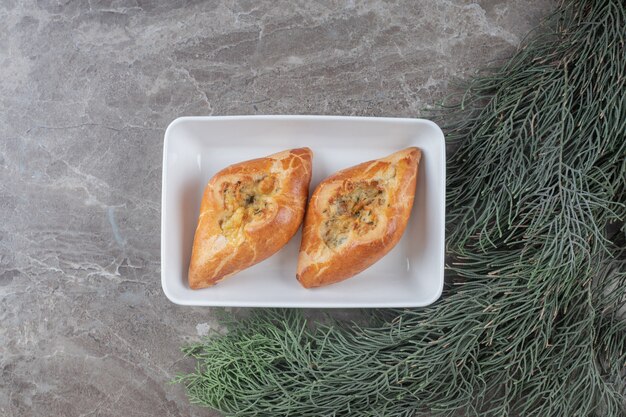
[355, 217]
[249, 211]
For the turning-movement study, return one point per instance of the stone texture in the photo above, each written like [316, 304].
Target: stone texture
[86, 91]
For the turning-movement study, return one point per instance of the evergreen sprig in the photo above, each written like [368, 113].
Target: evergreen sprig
[533, 318]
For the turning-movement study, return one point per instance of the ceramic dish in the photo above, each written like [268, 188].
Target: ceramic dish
[195, 148]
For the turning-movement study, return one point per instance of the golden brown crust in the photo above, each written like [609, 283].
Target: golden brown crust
[249, 211]
[355, 217]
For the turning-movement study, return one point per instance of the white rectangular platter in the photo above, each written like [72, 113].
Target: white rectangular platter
[196, 148]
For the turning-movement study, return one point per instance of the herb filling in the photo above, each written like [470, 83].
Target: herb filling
[245, 201]
[352, 210]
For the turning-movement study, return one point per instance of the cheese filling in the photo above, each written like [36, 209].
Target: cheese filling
[353, 209]
[245, 201]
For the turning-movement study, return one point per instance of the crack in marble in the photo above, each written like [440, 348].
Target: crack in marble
[130, 347]
[196, 86]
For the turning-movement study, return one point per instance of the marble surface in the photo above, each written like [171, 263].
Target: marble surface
[86, 91]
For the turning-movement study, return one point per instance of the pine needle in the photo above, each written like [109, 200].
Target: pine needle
[533, 319]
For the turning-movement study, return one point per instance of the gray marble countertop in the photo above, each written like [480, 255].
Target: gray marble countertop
[87, 89]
